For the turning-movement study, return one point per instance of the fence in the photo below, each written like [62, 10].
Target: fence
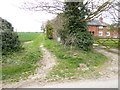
[108, 42]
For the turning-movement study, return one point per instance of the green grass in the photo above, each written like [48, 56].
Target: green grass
[69, 61]
[21, 64]
[27, 36]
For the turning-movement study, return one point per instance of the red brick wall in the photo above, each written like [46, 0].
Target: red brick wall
[112, 34]
[96, 30]
[93, 29]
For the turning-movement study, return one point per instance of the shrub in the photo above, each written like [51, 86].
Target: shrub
[9, 42]
[80, 40]
[49, 31]
[84, 40]
[74, 32]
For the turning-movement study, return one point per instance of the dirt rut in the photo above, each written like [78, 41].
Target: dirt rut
[45, 66]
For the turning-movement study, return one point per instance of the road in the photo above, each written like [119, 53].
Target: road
[113, 83]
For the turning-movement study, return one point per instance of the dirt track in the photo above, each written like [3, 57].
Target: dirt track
[45, 67]
[109, 73]
[108, 79]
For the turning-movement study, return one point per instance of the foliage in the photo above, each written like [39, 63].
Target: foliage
[84, 40]
[74, 32]
[57, 24]
[114, 27]
[10, 41]
[5, 25]
[21, 64]
[49, 31]
[27, 36]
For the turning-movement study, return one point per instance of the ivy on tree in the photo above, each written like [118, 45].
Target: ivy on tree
[74, 32]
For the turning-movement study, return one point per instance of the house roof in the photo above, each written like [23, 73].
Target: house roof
[96, 23]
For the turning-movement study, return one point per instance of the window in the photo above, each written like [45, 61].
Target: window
[100, 27]
[115, 35]
[107, 33]
[100, 33]
[92, 32]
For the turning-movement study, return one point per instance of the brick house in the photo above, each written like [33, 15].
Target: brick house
[100, 29]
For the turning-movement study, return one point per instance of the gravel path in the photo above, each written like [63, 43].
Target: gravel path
[110, 68]
[115, 50]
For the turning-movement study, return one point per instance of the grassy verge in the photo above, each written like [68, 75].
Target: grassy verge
[21, 64]
[27, 36]
[70, 61]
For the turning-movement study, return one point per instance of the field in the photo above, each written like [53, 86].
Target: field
[27, 36]
[21, 64]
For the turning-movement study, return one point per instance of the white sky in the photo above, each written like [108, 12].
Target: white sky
[24, 21]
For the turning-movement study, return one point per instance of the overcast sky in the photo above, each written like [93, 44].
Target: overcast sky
[24, 21]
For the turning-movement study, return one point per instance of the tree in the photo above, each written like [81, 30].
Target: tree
[49, 31]
[114, 12]
[5, 25]
[76, 15]
[57, 7]
[74, 32]
[114, 27]
[10, 42]
[43, 27]
[57, 24]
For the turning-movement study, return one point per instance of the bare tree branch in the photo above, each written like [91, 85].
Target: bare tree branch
[57, 6]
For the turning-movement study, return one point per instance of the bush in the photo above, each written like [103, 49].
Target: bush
[84, 40]
[49, 31]
[74, 32]
[80, 40]
[9, 42]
